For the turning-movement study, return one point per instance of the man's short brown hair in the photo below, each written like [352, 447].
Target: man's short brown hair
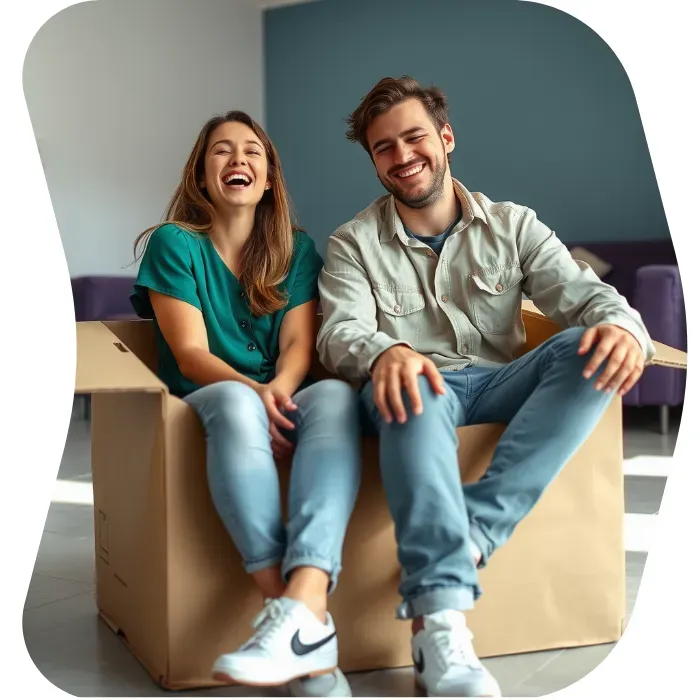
[389, 92]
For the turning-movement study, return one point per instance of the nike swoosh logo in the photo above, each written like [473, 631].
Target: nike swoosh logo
[301, 649]
[420, 662]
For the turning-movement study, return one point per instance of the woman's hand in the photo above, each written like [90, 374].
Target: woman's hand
[276, 399]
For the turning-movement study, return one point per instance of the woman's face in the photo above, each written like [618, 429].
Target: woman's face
[235, 167]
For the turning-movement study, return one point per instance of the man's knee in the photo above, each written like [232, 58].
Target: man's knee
[432, 402]
[565, 346]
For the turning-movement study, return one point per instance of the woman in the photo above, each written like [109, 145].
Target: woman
[232, 286]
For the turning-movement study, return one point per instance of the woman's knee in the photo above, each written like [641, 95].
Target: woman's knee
[230, 402]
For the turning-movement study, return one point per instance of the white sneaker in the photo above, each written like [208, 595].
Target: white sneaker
[289, 642]
[445, 662]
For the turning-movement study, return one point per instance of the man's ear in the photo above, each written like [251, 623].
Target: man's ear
[448, 138]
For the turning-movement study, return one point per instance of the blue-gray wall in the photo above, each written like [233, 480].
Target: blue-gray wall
[542, 110]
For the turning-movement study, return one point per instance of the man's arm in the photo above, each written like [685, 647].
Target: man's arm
[570, 293]
[349, 341]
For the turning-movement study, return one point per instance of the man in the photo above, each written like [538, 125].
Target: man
[421, 296]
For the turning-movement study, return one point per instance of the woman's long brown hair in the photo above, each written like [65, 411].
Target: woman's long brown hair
[267, 253]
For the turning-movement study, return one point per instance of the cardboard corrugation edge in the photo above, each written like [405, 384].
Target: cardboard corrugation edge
[164, 675]
[103, 337]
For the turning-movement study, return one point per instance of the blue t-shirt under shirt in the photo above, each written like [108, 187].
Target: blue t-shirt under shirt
[436, 242]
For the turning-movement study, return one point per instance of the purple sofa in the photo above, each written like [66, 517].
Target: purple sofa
[646, 274]
[102, 297]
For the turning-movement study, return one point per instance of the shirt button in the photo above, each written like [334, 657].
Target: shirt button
[251, 347]
[444, 298]
[397, 308]
[244, 324]
[499, 287]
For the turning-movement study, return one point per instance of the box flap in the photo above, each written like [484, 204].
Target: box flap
[105, 364]
[665, 355]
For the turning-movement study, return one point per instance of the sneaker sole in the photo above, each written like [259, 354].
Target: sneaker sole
[223, 677]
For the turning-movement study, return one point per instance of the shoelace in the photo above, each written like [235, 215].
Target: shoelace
[454, 648]
[266, 623]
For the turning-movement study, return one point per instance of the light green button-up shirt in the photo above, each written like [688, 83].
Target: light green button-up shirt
[379, 287]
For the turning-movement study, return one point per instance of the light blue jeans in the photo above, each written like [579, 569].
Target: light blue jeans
[550, 410]
[244, 483]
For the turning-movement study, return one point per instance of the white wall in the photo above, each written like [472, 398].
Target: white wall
[117, 91]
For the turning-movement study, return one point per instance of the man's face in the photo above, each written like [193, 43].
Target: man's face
[409, 154]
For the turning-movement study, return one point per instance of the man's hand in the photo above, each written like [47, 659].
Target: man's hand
[275, 398]
[623, 353]
[398, 368]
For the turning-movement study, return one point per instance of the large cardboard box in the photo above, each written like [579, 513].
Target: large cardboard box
[171, 583]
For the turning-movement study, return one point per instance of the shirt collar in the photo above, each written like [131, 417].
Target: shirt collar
[393, 226]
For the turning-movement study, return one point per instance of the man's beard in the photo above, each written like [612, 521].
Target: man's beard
[431, 194]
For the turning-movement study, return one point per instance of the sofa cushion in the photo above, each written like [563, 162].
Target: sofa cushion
[597, 264]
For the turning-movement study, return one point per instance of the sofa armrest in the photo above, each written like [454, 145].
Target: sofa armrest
[659, 299]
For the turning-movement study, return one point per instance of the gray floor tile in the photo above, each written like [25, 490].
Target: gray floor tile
[642, 434]
[643, 494]
[66, 557]
[568, 667]
[393, 683]
[512, 671]
[634, 565]
[75, 462]
[70, 520]
[78, 653]
[43, 590]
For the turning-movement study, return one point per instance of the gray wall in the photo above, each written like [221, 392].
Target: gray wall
[543, 111]
[117, 91]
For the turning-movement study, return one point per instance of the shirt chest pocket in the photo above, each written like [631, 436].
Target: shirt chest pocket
[495, 299]
[399, 312]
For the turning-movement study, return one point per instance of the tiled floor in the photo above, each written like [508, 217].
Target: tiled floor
[80, 654]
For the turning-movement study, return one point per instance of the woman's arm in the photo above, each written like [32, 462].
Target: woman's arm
[297, 341]
[184, 331]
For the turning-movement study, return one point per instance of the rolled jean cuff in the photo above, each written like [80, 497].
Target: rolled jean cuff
[437, 599]
[255, 565]
[294, 560]
[481, 542]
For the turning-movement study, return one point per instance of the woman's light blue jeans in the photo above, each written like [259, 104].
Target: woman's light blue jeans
[244, 483]
[550, 410]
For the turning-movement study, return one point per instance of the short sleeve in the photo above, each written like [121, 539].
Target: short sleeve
[166, 267]
[308, 266]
